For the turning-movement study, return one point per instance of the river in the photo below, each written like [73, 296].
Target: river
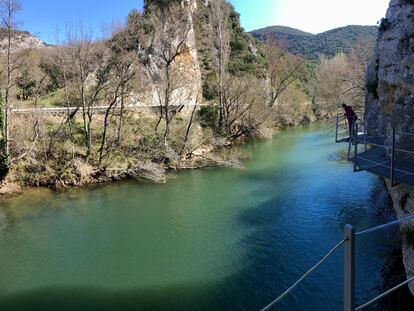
[212, 239]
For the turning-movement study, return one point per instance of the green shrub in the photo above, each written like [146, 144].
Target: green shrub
[210, 90]
[4, 160]
[207, 116]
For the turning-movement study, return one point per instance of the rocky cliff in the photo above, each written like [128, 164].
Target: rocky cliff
[21, 40]
[198, 64]
[390, 103]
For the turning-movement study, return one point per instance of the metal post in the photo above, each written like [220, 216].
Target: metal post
[365, 136]
[350, 129]
[349, 268]
[337, 128]
[356, 147]
[393, 158]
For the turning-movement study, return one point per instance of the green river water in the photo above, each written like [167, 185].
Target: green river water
[213, 239]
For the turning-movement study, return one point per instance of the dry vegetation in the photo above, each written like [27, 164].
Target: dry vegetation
[150, 58]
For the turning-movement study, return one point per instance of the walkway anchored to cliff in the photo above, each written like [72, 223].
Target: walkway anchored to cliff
[348, 243]
[380, 156]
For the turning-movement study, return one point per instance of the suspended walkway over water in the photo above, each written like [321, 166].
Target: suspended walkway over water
[374, 155]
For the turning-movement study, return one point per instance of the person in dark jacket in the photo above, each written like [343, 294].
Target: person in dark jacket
[351, 117]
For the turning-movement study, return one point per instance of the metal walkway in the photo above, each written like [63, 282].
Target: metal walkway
[376, 156]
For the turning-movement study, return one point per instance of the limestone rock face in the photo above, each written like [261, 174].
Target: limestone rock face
[186, 66]
[22, 41]
[390, 102]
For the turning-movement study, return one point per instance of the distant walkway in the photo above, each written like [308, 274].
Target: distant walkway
[378, 157]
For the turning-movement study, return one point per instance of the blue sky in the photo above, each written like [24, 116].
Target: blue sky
[43, 17]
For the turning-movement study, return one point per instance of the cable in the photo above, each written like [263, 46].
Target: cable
[290, 289]
[385, 226]
[385, 294]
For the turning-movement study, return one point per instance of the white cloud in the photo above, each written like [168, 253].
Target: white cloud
[320, 15]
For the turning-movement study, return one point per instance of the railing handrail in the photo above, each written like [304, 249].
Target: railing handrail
[303, 277]
[348, 228]
[385, 294]
[385, 226]
[406, 282]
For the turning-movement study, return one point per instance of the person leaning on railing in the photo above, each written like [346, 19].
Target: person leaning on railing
[351, 117]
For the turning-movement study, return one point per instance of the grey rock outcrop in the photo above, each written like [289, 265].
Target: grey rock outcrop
[390, 103]
[20, 41]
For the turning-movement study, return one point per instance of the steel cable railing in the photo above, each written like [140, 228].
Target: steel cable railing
[388, 166]
[359, 137]
[385, 226]
[304, 276]
[408, 134]
[349, 261]
[388, 292]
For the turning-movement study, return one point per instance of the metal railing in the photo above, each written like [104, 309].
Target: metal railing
[349, 272]
[342, 125]
[351, 131]
[349, 241]
[390, 150]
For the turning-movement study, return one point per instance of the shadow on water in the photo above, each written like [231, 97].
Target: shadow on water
[223, 295]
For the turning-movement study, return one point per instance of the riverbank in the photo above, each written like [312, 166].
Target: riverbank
[59, 155]
[83, 174]
[56, 158]
[142, 155]
[78, 173]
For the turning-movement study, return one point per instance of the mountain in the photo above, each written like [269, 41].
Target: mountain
[21, 40]
[327, 43]
[263, 33]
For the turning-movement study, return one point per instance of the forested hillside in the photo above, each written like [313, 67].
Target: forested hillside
[328, 43]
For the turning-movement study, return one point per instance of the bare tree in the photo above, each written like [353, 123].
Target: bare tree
[120, 87]
[39, 80]
[167, 54]
[198, 101]
[220, 15]
[283, 69]
[354, 78]
[8, 11]
[328, 84]
[244, 108]
[90, 75]
[341, 79]
[62, 63]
